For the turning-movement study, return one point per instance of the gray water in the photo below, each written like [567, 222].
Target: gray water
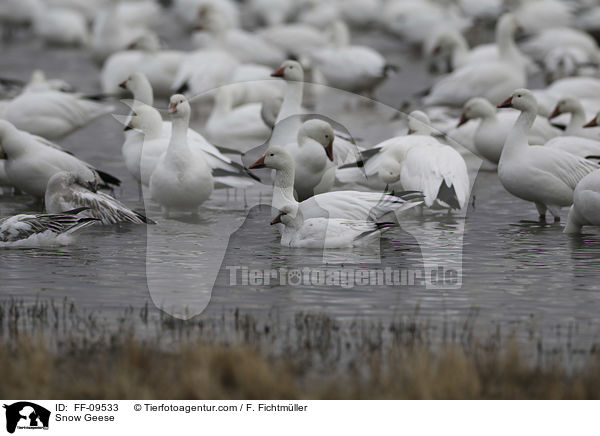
[512, 272]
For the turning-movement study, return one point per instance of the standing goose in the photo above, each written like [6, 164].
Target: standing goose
[31, 161]
[68, 191]
[586, 204]
[182, 179]
[494, 127]
[543, 175]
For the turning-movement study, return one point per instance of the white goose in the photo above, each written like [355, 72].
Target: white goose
[354, 68]
[415, 162]
[31, 161]
[245, 46]
[60, 26]
[495, 126]
[354, 205]
[182, 179]
[241, 128]
[286, 132]
[142, 153]
[27, 230]
[489, 79]
[145, 56]
[571, 105]
[204, 70]
[312, 153]
[542, 175]
[52, 114]
[586, 204]
[68, 191]
[326, 233]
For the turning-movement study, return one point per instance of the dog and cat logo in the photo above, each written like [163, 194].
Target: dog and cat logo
[26, 415]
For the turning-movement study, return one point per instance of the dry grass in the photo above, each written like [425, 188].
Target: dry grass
[50, 351]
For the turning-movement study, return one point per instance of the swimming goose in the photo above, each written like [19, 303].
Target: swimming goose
[52, 114]
[68, 191]
[327, 233]
[42, 229]
[182, 179]
[573, 106]
[495, 126]
[586, 204]
[543, 175]
[31, 161]
[354, 205]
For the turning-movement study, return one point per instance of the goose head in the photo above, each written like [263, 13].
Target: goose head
[419, 124]
[389, 171]
[476, 107]
[66, 180]
[566, 105]
[179, 107]
[276, 158]
[521, 99]
[319, 131]
[593, 122]
[290, 70]
[290, 216]
[145, 119]
[135, 82]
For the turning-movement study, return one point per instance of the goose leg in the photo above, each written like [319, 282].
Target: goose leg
[541, 208]
[555, 211]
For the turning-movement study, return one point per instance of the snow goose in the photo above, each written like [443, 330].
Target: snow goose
[115, 28]
[31, 161]
[247, 47]
[27, 230]
[204, 70]
[182, 179]
[142, 152]
[491, 79]
[536, 16]
[494, 127]
[542, 175]
[60, 26]
[286, 132]
[144, 55]
[294, 38]
[328, 233]
[354, 205]
[52, 114]
[417, 162]
[241, 128]
[573, 106]
[312, 153]
[354, 68]
[68, 191]
[585, 210]
[450, 42]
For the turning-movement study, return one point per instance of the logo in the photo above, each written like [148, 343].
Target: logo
[26, 415]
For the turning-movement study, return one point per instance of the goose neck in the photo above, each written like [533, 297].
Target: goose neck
[292, 100]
